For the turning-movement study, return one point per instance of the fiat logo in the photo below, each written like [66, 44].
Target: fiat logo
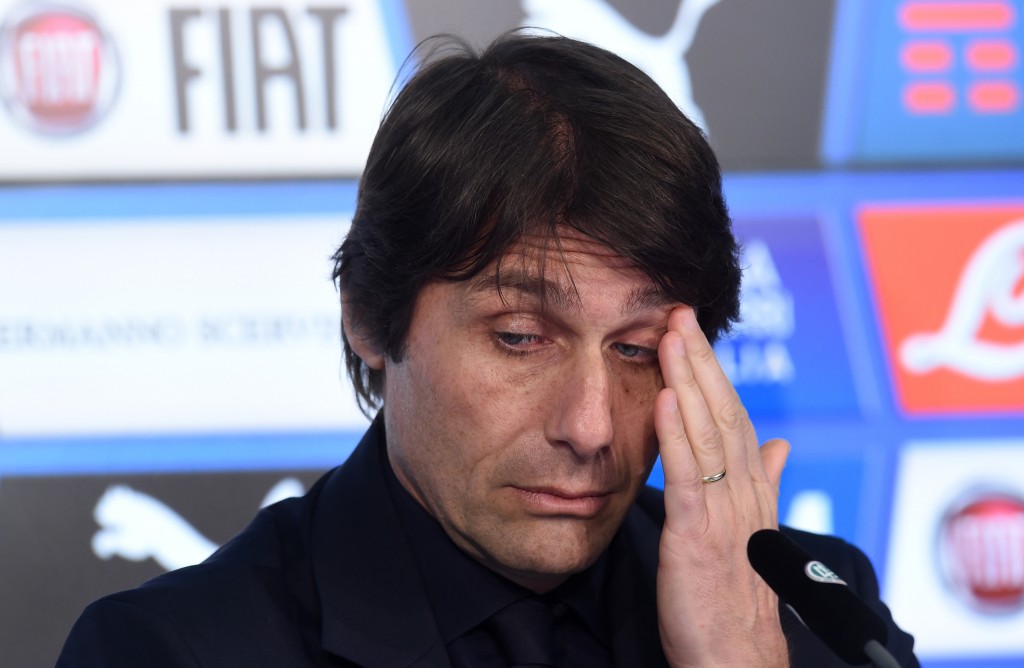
[59, 71]
[981, 550]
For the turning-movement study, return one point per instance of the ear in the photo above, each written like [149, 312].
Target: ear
[361, 344]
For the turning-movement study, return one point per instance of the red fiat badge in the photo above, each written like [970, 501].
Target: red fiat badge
[59, 71]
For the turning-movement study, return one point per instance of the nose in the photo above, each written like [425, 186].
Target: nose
[582, 416]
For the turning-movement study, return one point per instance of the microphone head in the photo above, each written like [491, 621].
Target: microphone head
[822, 601]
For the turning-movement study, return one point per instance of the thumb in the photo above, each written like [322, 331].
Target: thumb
[774, 454]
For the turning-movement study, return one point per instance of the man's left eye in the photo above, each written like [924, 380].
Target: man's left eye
[627, 350]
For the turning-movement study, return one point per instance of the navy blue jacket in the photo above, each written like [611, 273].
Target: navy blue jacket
[329, 580]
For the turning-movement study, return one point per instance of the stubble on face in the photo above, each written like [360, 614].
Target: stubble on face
[520, 416]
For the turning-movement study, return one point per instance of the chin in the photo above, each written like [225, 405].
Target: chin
[555, 555]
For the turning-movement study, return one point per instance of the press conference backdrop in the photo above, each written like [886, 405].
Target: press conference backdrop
[176, 175]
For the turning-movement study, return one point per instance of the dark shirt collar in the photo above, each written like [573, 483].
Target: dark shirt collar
[584, 593]
[464, 593]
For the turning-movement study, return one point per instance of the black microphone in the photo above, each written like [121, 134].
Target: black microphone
[820, 599]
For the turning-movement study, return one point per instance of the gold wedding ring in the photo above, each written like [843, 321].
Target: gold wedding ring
[712, 478]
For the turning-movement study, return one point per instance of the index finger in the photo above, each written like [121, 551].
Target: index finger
[738, 436]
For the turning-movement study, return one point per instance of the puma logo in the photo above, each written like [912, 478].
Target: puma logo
[136, 526]
[661, 57]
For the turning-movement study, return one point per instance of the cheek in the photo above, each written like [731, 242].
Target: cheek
[507, 391]
[635, 412]
[637, 390]
[453, 413]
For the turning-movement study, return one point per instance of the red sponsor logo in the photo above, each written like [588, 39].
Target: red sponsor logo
[949, 287]
[58, 68]
[959, 52]
[981, 551]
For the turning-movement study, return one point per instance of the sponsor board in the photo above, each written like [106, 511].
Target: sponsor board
[69, 540]
[949, 287]
[823, 493]
[718, 59]
[790, 330]
[99, 89]
[171, 325]
[104, 89]
[955, 577]
[943, 81]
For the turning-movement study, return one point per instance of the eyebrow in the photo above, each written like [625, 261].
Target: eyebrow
[550, 292]
[645, 299]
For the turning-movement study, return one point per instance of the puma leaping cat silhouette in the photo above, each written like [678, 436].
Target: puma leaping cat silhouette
[661, 57]
[137, 526]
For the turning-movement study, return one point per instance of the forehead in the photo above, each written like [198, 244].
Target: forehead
[560, 269]
[568, 246]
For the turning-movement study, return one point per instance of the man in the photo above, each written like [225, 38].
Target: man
[540, 256]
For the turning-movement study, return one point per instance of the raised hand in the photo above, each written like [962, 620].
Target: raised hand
[713, 609]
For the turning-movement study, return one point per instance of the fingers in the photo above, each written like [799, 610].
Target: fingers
[668, 424]
[704, 575]
[682, 473]
[715, 422]
[692, 425]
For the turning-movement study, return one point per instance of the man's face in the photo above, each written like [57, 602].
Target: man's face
[521, 419]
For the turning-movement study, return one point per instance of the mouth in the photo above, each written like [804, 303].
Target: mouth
[552, 501]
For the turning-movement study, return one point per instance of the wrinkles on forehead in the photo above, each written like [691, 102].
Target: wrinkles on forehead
[525, 273]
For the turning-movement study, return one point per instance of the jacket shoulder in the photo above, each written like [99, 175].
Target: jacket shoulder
[239, 607]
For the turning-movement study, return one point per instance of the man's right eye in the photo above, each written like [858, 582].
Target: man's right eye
[516, 340]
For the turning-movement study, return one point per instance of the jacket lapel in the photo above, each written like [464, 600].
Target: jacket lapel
[375, 610]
